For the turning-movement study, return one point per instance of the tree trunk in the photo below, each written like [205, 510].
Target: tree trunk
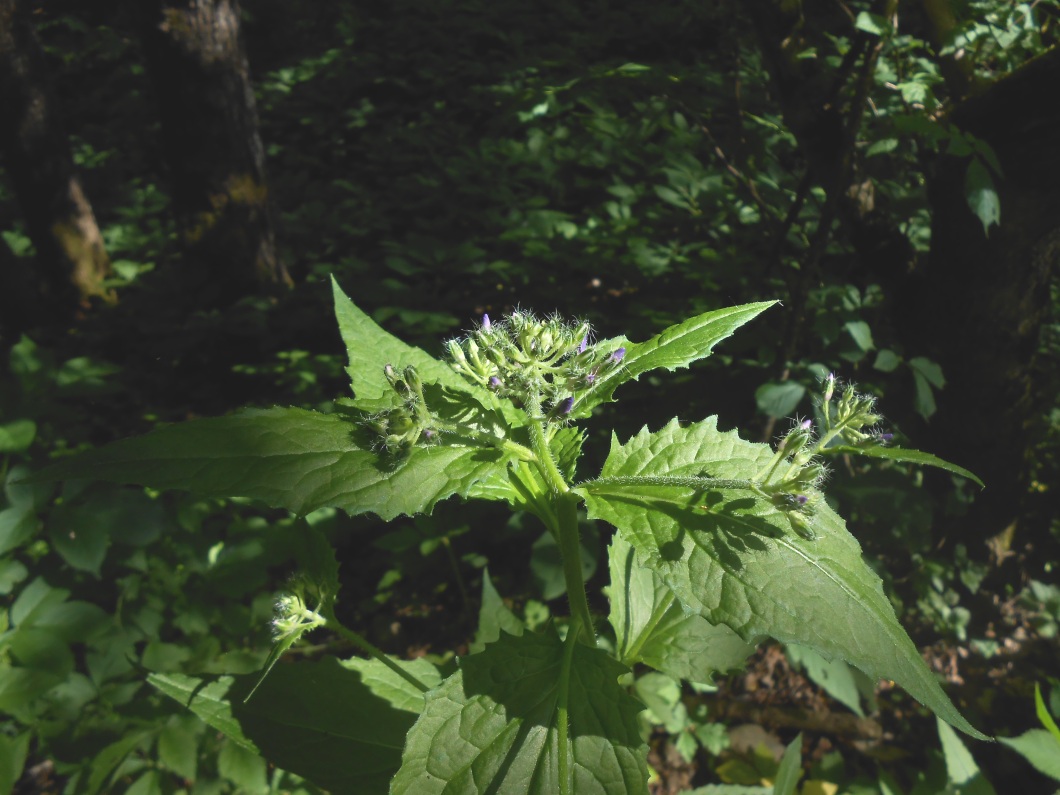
[195, 52]
[979, 305]
[59, 219]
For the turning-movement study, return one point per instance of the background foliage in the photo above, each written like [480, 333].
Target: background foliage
[599, 160]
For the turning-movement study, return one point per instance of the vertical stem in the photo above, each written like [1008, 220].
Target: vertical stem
[570, 552]
[562, 739]
[565, 504]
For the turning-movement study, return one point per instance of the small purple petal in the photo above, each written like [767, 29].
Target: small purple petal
[428, 434]
[617, 354]
[801, 499]
[590, 379]
[564, 406]
[885, 437]
[806, 425]
[486, 325]
[495, 382]
[584, 344]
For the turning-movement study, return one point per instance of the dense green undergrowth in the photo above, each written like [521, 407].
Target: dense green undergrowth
[631, 170]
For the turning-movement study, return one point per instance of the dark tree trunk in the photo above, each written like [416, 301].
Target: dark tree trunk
[210, 135]
[978, 306]
[59, 219]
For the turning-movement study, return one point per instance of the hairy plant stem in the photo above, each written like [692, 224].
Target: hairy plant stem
[364, 645]
[565, 508]
[566, 783]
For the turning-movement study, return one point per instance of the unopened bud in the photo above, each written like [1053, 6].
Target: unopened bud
[413, 378]
[456, 352]
[618, 354]
[486, 325]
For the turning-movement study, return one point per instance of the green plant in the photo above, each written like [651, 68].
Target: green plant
[720, 543]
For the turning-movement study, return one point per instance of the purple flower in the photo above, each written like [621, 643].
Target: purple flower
[495, 382]
[590, 379]
[486, 325]
[584, 344]
[806, 425]
[801, 499]
[617, 354]
[885, 437]
[564, 406]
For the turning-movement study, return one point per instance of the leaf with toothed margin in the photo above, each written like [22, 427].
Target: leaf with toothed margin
[651, 627]
[677, 346]
[288, 458]
[370, 348]
[732, 558]
[494, 726]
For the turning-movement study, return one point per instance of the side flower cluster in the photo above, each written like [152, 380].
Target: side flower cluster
[410, 423]
[533, 362]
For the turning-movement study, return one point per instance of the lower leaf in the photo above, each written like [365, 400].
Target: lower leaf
[495, 725]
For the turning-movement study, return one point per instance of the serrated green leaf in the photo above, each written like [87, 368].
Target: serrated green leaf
[493, 616]
[370, 348]
[651, 627]
[209, 700]
[677, 346]
[498, 720]
[909, 456]
[289, 458]
[1038, 747]
[399, 692]
[733, 558]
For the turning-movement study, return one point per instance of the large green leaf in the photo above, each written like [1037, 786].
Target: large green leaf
[677, 346]
[370, 348]
[651, 626]
[733, 558]
[495, 725]
[289, 458]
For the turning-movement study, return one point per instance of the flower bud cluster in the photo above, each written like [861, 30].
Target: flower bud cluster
[408, 424]
[292, 615]
[532, 361]
[792, 486]
[853, 415]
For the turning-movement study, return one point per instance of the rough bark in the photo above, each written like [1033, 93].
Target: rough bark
[195, 53]
[59, 219]
[979, 305]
